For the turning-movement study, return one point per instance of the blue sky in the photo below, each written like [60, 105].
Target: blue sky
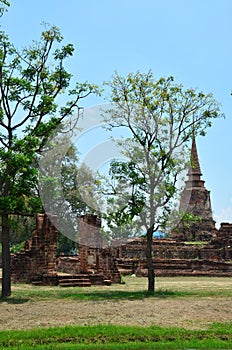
[189, 39]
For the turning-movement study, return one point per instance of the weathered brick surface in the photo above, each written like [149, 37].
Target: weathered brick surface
[170, 257]
[93, 257]
[173, 258]
[90, 242]
[68, 264]
[38, 261]
[195, 200]
[187, 267]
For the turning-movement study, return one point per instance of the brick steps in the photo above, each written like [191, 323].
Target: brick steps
[79, 280]
[205, 273]
[177, 267]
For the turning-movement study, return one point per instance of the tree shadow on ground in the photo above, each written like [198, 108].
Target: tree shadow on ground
[12, 300]
[116, 295]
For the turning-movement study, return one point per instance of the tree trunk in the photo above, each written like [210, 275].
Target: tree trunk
[150, 267]
[6, 267]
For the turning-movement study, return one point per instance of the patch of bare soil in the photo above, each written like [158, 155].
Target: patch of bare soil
[187, 313]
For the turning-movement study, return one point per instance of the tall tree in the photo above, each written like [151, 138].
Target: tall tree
[31, 81]
[160, 116]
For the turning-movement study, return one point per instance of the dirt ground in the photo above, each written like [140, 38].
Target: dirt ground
[187, 312]
[182, 313]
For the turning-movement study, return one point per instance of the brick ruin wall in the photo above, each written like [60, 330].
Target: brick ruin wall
[93, 257]
[38, 262]
[171, 258]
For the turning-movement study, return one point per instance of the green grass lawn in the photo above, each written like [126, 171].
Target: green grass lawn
[22, 295]
[111, 337]
[134, 288]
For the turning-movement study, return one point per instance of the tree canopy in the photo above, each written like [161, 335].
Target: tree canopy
[161, 117]
[32, 82]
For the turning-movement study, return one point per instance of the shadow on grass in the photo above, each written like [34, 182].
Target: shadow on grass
[116, 295]
[12, 300]
[21, 297]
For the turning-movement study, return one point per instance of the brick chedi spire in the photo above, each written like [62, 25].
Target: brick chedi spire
[195, 200]
[194, 173]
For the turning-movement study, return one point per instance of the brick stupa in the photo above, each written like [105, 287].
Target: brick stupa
[195, 200]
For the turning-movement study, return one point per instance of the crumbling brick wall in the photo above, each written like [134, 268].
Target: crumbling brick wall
[90, 243]
[223, 241]
[68, 264]
[170, 257]
[93, 256]
[217, 249]
[37, 263]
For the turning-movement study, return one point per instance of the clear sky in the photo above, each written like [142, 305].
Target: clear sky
[189, 39]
